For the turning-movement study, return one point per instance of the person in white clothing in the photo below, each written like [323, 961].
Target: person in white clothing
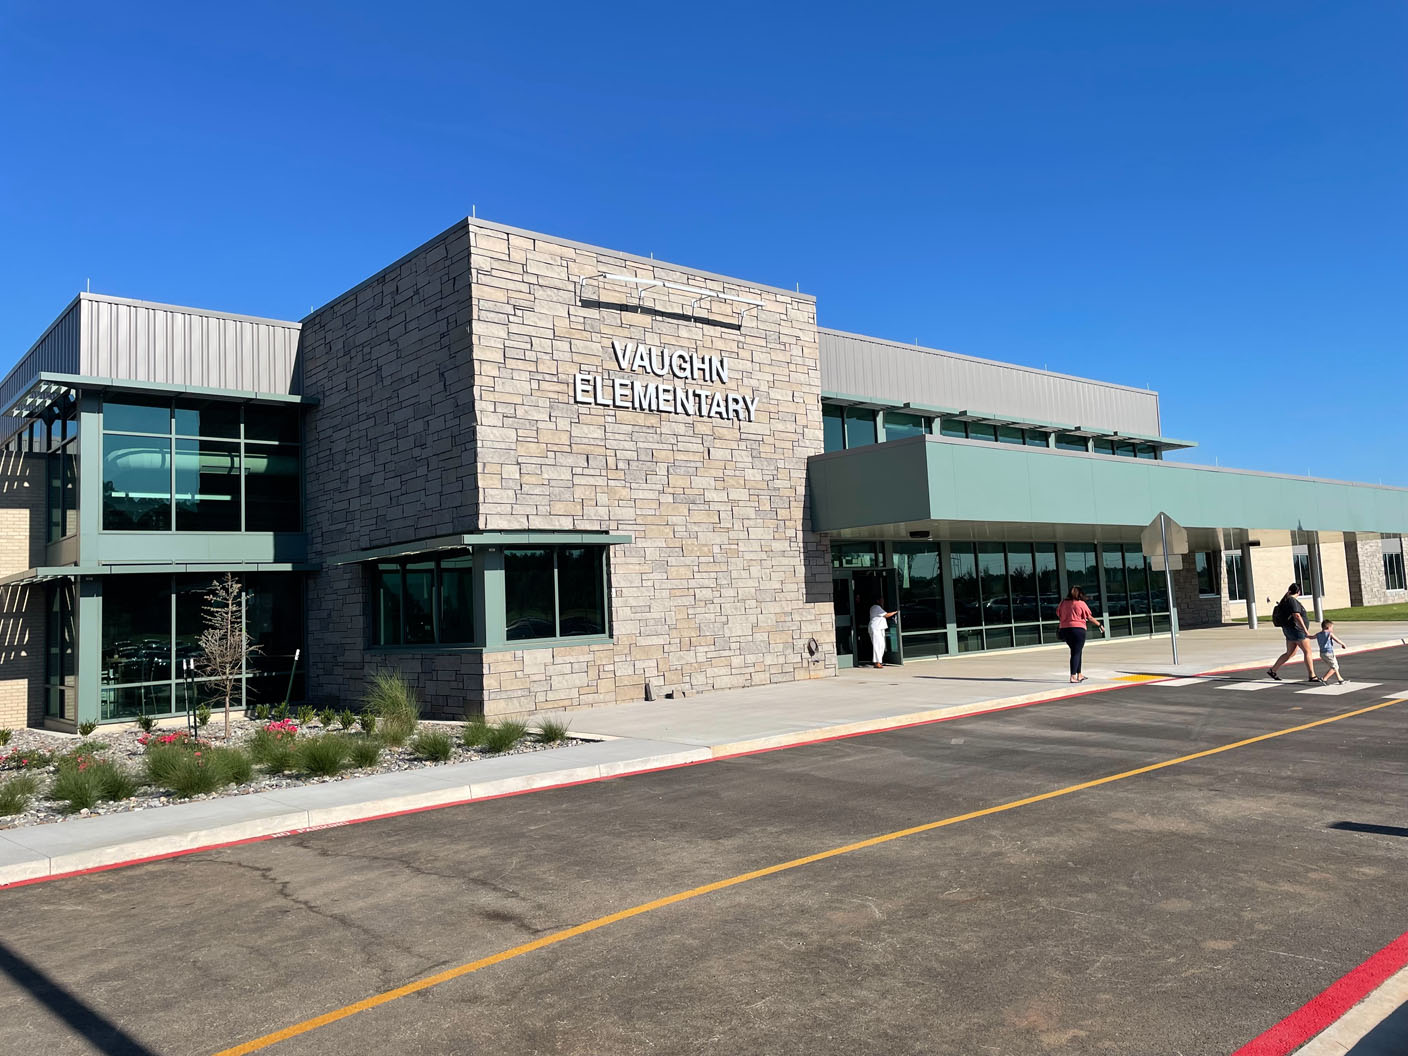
[879, 624]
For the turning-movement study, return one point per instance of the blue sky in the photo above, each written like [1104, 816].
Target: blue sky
[1207, 198]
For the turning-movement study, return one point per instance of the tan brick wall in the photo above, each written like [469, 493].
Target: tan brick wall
[1273, 569]
[22, 610]
[721, 587]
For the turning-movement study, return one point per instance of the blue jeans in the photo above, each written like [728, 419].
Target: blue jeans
[1075, 638]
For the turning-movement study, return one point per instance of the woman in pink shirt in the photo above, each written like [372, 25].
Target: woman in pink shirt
[1075, 615]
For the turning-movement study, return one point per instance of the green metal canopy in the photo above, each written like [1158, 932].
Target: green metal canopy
[936, 478]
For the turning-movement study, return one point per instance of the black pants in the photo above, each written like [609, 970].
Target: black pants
[1075, 638]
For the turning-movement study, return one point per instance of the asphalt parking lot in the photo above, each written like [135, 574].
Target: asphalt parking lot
[1179, 910]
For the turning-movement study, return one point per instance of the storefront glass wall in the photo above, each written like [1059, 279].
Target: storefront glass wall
[151, 624]
[1005, 594]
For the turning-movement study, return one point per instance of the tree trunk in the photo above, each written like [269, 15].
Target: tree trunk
[227, 716]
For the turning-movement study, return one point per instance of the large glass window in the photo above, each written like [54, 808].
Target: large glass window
[60, 439]
[980, 431]
[190, 459]
[423, 601]
[1205, 566]
[860, 427]
[954, 427]
[901, 426]
[1071, 442]
[1009, 434]
[855, 555]
[60, 666]
[1037, 438]
[921, 599]
[1393, 564]
[833, 425]
[152, 624]
[1083, 571]
[1236, 590]
[555, 592]
[1300, 561]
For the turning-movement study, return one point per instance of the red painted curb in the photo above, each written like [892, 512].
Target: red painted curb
[542, 788]
[593, 780]
[1330, 1004]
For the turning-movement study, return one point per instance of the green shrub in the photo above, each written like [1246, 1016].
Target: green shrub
[395, 705]
[305, 715]
[552, 732]
[261, 712]
[5, 736]
[435, 745]
[281, 711]
[347, 719]
[504, 736]
[475, 733]
[368, 722]
[16, 793]
[203, 716]
[197, 772]
[364, 751]
[85, 728]
[82, 787]
[323, 755]
[274, 751]
[146, 722]
[327, 717]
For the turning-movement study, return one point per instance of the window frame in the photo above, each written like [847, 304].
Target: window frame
[373, 593]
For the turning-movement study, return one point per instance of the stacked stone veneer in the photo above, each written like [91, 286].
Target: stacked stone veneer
[445, 387]
[1194, 608]
[389, 455]
[22, 608]
[1364, 557]
[722, 585]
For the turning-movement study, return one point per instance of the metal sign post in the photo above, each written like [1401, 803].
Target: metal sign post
[1164, 542]
[1168, 580]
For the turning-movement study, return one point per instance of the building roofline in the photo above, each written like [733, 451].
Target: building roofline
[490, 225]
[183, 309]
[988, 362]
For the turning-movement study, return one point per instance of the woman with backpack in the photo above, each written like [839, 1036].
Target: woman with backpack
[1075, 616]
[1289, 615]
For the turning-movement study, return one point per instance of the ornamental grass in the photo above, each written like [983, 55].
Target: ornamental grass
[504, 736]
[82, 782]
[364, 751]
[17, 793]
[551, 731]
[396, 706]
[435, 745]
[198, 770]
[322, 755]
[475, 733]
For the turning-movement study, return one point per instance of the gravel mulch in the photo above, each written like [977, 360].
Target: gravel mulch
[123, 747]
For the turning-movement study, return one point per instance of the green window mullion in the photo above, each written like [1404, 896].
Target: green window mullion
[606, 592]
[556, 596]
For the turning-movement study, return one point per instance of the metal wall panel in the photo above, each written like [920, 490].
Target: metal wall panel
[886, 371]
[56, 352]
[138, 341]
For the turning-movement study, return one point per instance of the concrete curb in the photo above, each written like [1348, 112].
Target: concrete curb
[45, 852]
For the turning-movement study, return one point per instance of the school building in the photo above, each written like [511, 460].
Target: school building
[532, 474]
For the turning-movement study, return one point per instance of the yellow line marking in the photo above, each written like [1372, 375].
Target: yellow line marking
[1139, 678]
[264, 1042]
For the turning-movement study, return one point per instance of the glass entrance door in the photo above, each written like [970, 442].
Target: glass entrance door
[874, 587]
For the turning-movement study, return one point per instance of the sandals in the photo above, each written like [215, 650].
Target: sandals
[1273, 674]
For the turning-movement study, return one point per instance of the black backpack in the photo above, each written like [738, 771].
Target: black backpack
[1280, 615]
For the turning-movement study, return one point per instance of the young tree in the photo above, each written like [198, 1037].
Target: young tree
[225, 647]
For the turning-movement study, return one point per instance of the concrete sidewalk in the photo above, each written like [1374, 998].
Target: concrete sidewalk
[646, 736]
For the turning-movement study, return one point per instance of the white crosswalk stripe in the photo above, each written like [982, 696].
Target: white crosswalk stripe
[1181, 682]
[1335, 691]
[1248, 685]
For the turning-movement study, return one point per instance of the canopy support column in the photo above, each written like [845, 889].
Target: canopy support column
[1248, 583]
[1316, 578]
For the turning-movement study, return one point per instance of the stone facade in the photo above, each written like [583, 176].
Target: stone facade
[448, 404]
[722, 584]
[1194, 608]
[22, 608]
[1364, 557]
[389, 454]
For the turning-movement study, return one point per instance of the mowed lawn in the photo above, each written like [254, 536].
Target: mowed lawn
[1398, 611]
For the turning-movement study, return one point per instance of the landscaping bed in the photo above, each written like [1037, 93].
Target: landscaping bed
[49, 777]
